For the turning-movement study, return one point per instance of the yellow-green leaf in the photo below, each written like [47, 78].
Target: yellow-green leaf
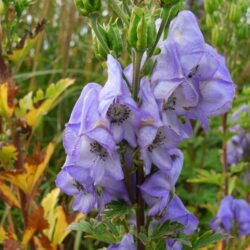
[5, 109]
[8, 196]
[7, 153]
[49, 203]
[18, 55]
[34, 116]
[3, 234]
[57, 218]
[28, 179]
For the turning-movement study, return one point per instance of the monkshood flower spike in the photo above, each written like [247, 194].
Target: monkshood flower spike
[122, 141]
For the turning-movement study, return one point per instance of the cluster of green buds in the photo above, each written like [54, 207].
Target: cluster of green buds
[112, 37]
[230, 12]
[139, 24]
[142, 30]
[87, 7]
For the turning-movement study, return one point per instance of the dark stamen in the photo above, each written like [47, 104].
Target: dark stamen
[99, 150]
[158, 141]
[79, 186]
[170, 103]
[118, 113]
[193, 71]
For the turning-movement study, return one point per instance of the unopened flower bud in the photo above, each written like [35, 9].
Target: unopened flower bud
[111, 36]
[86, 7]
[114, 39]
[142, 30]
[99, 51]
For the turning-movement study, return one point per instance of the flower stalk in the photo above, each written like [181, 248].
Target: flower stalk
[137, 58]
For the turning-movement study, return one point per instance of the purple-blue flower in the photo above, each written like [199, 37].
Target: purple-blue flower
[156, 189]
[242, 216]
[177, 212]
[85, 196]
[117, 105]
[225, 216]
[127, 243]
[88, 141]
[173, 245]
[232, 212]
[195, 83]
[154, 139]
[238, 147]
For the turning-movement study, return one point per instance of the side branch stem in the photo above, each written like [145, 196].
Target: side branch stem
[224, 161]
[137, 58]
[224, 154]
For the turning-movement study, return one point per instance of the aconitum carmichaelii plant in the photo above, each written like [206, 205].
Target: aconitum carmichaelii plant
[190, 81]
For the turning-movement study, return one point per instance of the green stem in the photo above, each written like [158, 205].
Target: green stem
[77, 243]
[224, 154]
[137, 57]
[225, 163]
[113, 4]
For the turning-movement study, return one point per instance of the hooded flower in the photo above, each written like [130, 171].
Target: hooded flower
[232, 212]
[154, 139]
[157, 151]
[87, 140]
[173, 245]
[156, 190]
[85, 196]
[127, 243]
[176, 211]
[242, 216]
[196, 83]
[238, 147]
[117, 105]
[224, 218]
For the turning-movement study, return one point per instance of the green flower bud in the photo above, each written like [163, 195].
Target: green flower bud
[111, 36]
[234, 13]
[142, 30]
[218, 36]
[114, 39]
[99, 51]
[87, 7]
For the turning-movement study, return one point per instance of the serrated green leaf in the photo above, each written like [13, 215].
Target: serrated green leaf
[82, 226]
[206, 239]
[205, 176]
